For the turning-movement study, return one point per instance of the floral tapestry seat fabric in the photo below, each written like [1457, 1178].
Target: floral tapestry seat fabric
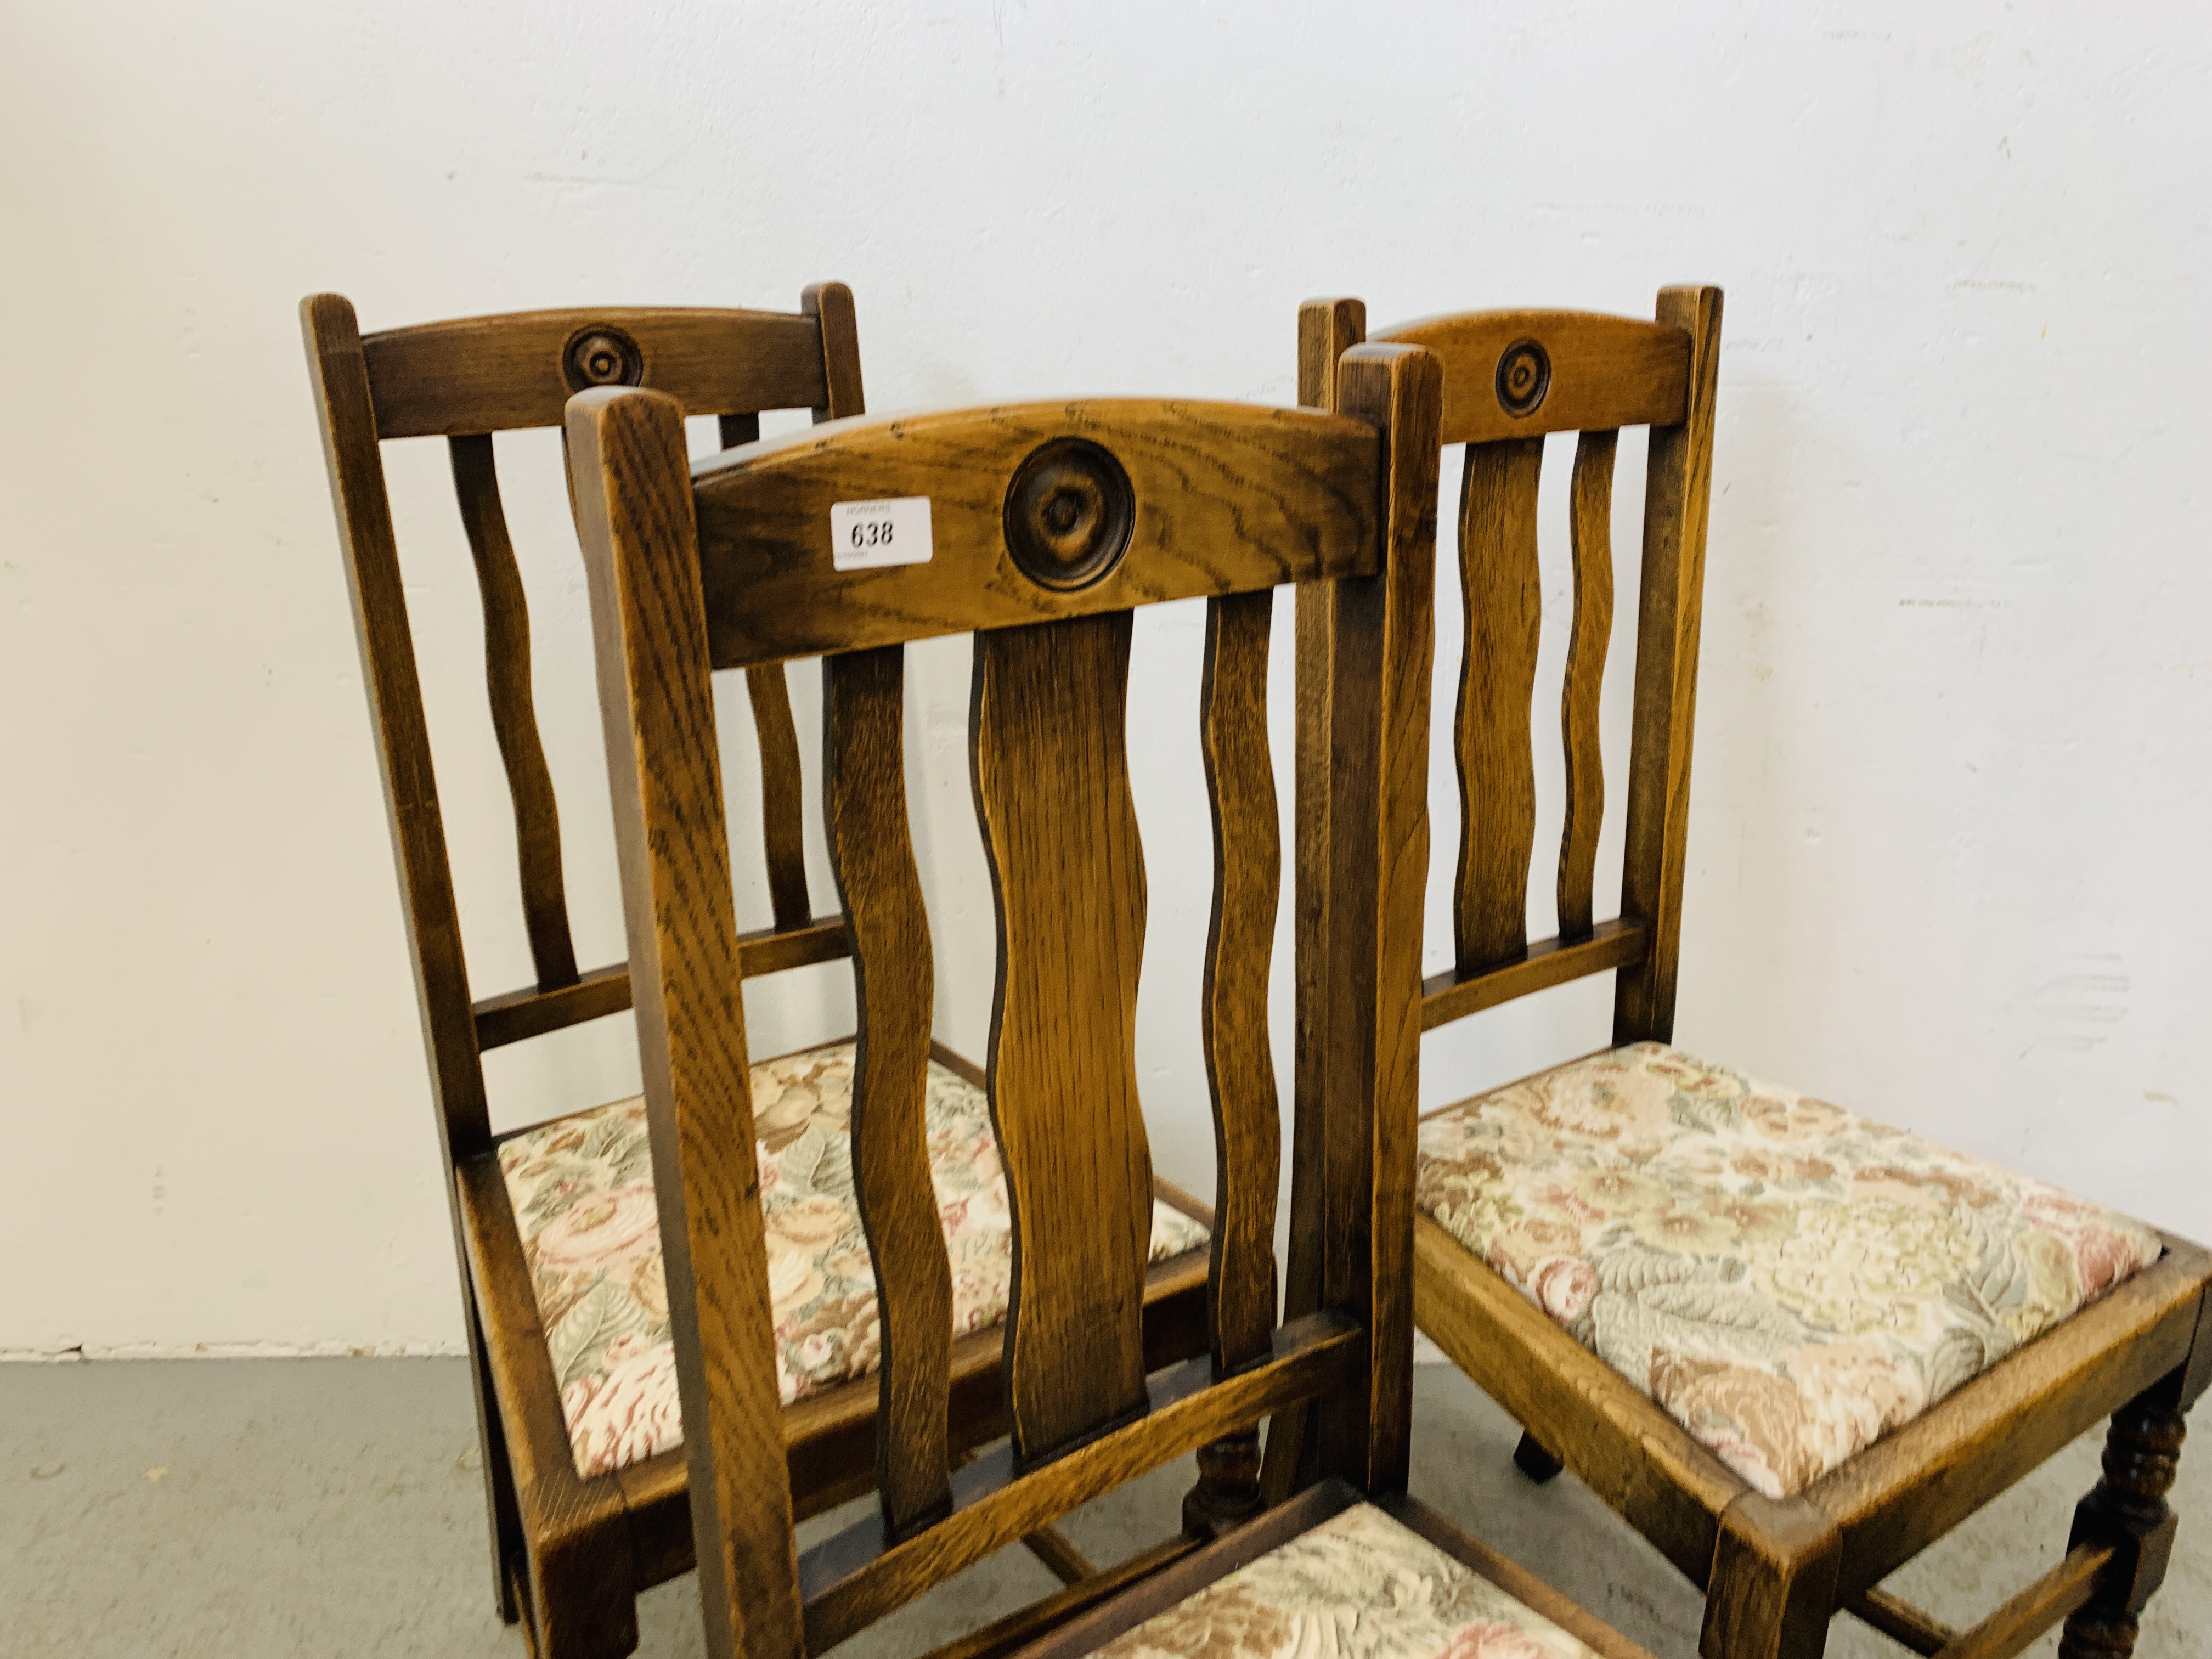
[1788, 1280]
[1360, 1585]
[582, 1192]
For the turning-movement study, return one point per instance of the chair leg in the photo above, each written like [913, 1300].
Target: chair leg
[1533, 1460]
[518, 1592]
[1773, 1586]
[2127, 1508]
[582, 1608]
[1227, 1494]
[509, 1556]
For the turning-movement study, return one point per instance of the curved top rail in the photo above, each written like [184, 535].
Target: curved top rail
[1034, 512]
[1522, 374]
[519, 369]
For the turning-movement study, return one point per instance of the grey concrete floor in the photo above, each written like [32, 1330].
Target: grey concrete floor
[257, 1508]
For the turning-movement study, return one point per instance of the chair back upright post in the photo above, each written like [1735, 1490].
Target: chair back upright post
[1048, 525]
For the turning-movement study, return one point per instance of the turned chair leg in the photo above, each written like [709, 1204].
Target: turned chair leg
[1533, 1461]
[2127, 1508]
[1227, 1494]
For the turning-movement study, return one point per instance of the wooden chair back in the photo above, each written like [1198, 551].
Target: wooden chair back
[1511, 378]
[1048, 527]
[463, 381]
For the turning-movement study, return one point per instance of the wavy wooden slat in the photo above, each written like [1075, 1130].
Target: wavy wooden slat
[1590, 520]
[1327, 330]
[1240, 1064]
[514, 712]
[864, 701]
[782, 819]
[1048, 754]
[1502, 591]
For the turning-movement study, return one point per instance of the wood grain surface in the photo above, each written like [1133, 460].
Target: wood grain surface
[1773, 1587]
[1590, 523]
[1384, 649]
[634, 504]
[1067, 875]
[830, 306]
[1247, 499]
[410, 790]
[1450, 994]
[1229, 498]
[354, 459]
[864, 762]
[2014, 1627]
[782, 819]
[1327, 330]
[514, 712]
[1899, 1620]
[1502, 589]
[1677, 498]
[1605, 371]
[1240, 1063]
[505, 373]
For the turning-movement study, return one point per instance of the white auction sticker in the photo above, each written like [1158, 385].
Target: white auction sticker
[867, 535]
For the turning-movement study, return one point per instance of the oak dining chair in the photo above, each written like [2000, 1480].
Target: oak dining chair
[1040, 529]
[555, 1223]
[1791, 1346]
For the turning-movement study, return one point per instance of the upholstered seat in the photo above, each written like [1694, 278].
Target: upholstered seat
[1360, 1585]
[582, 1192]
[1788, 1280]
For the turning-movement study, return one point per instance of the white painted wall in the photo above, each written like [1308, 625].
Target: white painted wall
[1955, 752]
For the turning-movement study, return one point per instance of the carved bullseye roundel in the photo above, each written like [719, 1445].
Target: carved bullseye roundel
[1069, 513]
[602, 357]
[1524, 375]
